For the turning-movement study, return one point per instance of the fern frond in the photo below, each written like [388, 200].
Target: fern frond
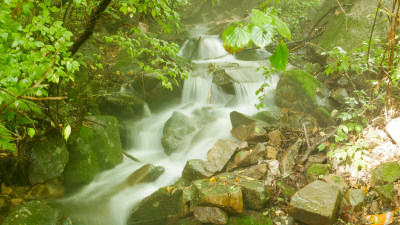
[6, 140]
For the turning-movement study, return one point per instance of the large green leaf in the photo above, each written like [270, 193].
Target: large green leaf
[260, 38]
[280, 57]
[237, 37]
[260, 18]
[282, 28]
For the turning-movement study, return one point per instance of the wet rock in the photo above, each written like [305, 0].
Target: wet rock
[255, 194]
[243, 145]
[340, 95]
[393, 128]
[157, 208]
[123, 105]
[212, 215]
[300, 91]
[48, 160]
[50, 189]
[222, 79]
[219, 194]
[256, 171]
[385, 173]
[240, 159]
[385, 192]
[253, 55]
[95, 149]
[271, 152]
[175, 131]
[275, 137]
[288, 159]
[286, 189]
[145, 174]
[315, 204]
[316, 171]
[258, 154]
[198, 169]
[272, 117]
[253, 218]
[336, 180]
[252, 132]
[238, 119]
[353, 200]
[32, 213]
[221, 152]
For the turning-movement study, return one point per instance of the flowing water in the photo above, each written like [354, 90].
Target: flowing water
[94, 204]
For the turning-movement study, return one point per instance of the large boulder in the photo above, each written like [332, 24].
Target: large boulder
[253, 132]
[300, 91]
[238, 119]
[288, 159]
[255, 194]
[212, 215]
[315, 204]
[217, 193]
[95, 149]
[48, 160]
[32, 213]
[198, 169]
[144, 174]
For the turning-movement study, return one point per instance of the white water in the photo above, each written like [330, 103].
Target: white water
[92, 203]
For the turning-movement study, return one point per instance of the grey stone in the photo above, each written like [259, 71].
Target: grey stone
[353, 199]
[238, 119]
[212, 215]
[122, 105]
[252, 132]
[393, 128]
[257, 154]
[256, 171]
[198, 169]
[336, 180]
[316, 171]
[288, 159]
[340, 95]
[146, 173]
[221, 152]
[255, 194]
[315, 204]
[48, 160]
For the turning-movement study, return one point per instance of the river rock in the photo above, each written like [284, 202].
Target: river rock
[315, 204]
[157, 208]
[219, 194]
[288, 159]
[385, 192]
[222, 79]
[252, 132]
[257, 154]
[255, 194]
[256, 171]
[336, 180]
[221, 152]
[48, 160]
[393, 128]
[271, 152]
[50, 189]
[275, 137]
[353, 200]
[212, 215]
[123, 105]
[175, 131]
[198, 169]
[385, 173]
[300, 91]
[339, 95]
[239, 159]
[95, 149]
[271, 116]
[32, 213]
[146, 173]
[238, 119]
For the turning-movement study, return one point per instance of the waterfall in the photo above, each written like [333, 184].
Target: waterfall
[93, 203]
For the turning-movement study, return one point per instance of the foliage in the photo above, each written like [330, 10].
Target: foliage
[35, 44]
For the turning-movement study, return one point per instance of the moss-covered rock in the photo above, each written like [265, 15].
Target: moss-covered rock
[299, 90]
[48, 159]
[249, 220]
[95, 149]
[385, 192]
[32, 213]
[385, 173]
[316, 171]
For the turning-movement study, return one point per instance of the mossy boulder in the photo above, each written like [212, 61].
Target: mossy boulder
[299, 90]
[123, 105]
[95, 149]
[32, 213]
[385, 173]
[257, 219]
[48, 160]
[385, 192]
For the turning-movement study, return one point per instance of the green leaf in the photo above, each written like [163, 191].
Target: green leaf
[31, 132]
[260, 38]
[260, 19]
[282, 28]
[280, 57]
[237, 37]
[321, 147]
[67, 132]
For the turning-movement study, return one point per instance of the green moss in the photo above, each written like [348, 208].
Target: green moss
[385, 192]
[286, 189]
[249, 220]
[318, 169]
[307, 82]
[32, 213]
[385, 173]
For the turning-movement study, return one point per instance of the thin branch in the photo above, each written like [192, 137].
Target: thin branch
[130, 156]
[311, 149]
[43, 98]
[370, 36]
[345, 14]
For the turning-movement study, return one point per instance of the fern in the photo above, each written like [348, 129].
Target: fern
[6, 140]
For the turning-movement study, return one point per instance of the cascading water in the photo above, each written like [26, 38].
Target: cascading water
[99, 204]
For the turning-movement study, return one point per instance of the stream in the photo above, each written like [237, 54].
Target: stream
[93, 203]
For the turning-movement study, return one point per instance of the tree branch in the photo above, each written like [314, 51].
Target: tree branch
[90, 26]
